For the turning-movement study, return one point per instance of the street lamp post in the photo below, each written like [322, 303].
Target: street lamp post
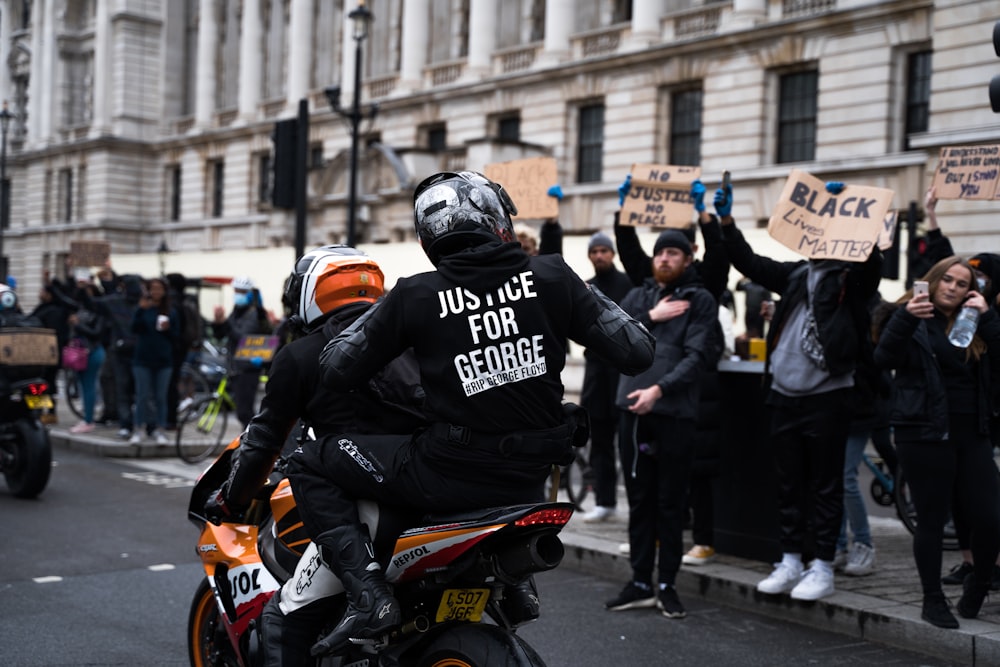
[361, 17]
[5, 118]
[161, 254]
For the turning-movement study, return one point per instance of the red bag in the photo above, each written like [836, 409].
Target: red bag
[75, 355]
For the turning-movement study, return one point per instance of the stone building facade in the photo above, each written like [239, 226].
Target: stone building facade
[148, 123]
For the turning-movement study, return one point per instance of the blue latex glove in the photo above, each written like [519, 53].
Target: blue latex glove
[555, 191]
[834, 187]
[698, 196]
[623, 189]
[256, 362]
[724, 201]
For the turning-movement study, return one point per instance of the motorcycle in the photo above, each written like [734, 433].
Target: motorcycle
[448, 573]
[26, 352]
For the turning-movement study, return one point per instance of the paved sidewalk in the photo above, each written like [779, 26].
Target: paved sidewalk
[883, 607]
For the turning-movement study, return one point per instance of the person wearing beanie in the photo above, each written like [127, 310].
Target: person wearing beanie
[657, 427]
[600, 380]
[822, 317]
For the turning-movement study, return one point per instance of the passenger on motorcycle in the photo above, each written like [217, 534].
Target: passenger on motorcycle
[489, 329]
[328, 289]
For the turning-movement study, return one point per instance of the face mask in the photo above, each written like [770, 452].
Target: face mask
[242, 299]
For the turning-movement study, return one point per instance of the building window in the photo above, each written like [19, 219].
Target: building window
[797, 95]
[436, 137]
[174, 187]
[590, 144]
[918, 94]
[509, 128]
[264, 178]
[216, 171]
[685, 127]
[65, 195]
[76, 107]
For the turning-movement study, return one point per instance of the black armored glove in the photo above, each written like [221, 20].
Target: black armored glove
[218, 510]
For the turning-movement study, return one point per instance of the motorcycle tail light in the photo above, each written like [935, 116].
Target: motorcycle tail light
[548, 517]
[38, 389]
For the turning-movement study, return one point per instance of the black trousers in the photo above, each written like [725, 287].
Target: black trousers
[421, 473]
[604, 462]
[808, 436]
[960, 470]
[656, 454]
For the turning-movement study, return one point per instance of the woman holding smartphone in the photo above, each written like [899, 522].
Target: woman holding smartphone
[940, 415]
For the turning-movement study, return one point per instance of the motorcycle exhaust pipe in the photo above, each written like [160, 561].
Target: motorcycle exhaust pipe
[538, 554]
[420, 624]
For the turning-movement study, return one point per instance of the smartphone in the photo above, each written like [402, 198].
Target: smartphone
[726, 179]
[920, 287]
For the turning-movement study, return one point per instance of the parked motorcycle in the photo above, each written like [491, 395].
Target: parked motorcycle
[26, 353]
[448, 573]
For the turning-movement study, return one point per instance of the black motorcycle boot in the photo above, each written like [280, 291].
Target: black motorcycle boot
[520, 602]
[371, 610]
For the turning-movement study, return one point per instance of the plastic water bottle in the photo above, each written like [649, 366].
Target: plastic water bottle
[964, 328]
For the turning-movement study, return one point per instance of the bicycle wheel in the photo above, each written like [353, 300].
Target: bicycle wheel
[201, 429]
[908, 513]
[576, 478]
[192, 387]
[74, 394]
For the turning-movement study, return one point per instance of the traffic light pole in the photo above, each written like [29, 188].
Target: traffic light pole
[301, 176]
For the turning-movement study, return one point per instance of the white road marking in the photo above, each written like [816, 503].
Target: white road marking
[162, 567]
[46, 580]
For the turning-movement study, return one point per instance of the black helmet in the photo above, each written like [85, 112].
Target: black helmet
[452, 211]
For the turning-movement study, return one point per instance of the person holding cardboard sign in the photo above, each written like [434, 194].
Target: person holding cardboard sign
[813, 347]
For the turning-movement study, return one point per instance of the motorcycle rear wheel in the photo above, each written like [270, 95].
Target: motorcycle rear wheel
[31, 459]
[208, 644]
[479, 645]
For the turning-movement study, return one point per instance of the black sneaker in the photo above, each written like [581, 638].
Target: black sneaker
[669, 603]
[973, 594]
[936, 612]
[956, 576]
[632, 596]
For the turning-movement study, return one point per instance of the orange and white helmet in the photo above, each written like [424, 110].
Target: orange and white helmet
[327, 278]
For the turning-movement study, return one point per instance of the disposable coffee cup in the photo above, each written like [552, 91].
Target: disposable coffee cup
[162, 322]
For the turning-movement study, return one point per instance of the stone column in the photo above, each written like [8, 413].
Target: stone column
[645, 23]
[208, 40]
[44, 87]
[558, 28]
[6, 83]
[251, 58]
[482, 38]
[347, 46]
[36, 89]
[299, 52]
[100, 123]
[413, 56]
[747, 13]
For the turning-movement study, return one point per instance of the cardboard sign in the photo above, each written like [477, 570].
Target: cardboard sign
[660, 196]
[968, 172]
[527, 182]
[28, 347]
[887, 235]
[89, 253]
[256, 347]
[820, 225]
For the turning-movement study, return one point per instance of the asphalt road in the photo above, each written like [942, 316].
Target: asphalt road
[101, 569]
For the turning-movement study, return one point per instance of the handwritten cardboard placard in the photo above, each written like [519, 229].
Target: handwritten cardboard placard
[256, 347]
[821, 225]
[660, 196]
[89, 253]
[887, 235]
[968, 172]
[527, 182]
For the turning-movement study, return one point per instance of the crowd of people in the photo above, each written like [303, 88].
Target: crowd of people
[135, 334]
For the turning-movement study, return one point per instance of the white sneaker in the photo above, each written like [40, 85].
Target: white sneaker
[860, 561]
[817, 582]
[625, 548]
[161, 437]
[135, 439]
[599, 514]
[784, 578]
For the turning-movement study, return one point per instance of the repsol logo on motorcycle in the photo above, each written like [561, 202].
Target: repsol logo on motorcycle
[404, 558]
[249, 581]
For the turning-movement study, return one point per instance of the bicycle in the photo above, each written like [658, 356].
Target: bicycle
[887, 490]
[201, 425]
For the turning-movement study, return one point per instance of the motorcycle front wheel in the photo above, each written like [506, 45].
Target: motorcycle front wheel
[208, 644]
[478, 645]
[29, 458]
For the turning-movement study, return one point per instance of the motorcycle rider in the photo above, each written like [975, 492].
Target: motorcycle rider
[10, 310]
[488, 328]
[327, 290]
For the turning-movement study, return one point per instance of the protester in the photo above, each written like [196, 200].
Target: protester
[156, 327]
[53, 313]
[485, 295]
[600, 381]
[89, 323]
[121, 306]
[822, 320]
[940, 417]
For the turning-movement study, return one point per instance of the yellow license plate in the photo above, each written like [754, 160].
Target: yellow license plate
[463, 604]
[38, 402]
